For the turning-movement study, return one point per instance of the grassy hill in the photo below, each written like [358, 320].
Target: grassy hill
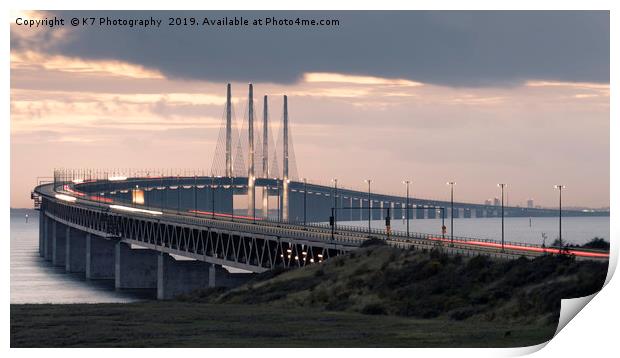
[381, 280]
[375, 297]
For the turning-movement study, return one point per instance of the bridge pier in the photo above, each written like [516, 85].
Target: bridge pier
[58, 244]
[220, 277]
[176, 277]
[75, 254]
[42, 218]
[99, 257]
[49, 239]
[134, 268]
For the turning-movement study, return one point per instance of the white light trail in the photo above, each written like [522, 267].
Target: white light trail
[65, 198]
[134, 210]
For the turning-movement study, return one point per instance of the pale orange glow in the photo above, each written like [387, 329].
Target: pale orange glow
[137, 196]
[70, 64]
[67, 111]
[578, 85]
[360, 80]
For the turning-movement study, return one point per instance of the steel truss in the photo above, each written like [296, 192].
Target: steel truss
[195, 238]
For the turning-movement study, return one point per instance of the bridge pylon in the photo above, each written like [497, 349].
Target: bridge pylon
[229, 169]
[265, 161]
[251, 178]
[285, 179]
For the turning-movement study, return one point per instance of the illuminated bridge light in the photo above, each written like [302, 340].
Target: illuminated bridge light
[65, 198]
[117, 178]
[312, 260]
[320, 255]
[296, 257]
[288, 250]
[70, 190]
[135, 210]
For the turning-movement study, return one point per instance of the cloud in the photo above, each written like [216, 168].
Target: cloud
[452, 48]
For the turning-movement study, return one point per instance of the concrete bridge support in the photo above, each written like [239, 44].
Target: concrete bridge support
[49, 239]
[75, 253]
[134, 268]
[42, 223]
[58, 244]
[175, 277]
[220, 277]
[99, 257]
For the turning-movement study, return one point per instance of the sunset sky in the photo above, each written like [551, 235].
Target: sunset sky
[475, 97]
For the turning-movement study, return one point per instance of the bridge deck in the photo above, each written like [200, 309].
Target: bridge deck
[254, 245]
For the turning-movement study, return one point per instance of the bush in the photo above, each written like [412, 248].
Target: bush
[374, 309]
[597, 243]
[373, 242]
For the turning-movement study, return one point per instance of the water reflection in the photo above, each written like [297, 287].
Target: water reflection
[34, 280]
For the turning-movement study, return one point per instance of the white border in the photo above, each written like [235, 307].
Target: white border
[592, 332]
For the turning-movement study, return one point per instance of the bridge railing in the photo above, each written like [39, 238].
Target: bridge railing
[342, 232]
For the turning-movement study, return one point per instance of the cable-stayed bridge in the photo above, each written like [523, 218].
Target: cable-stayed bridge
[177, 230]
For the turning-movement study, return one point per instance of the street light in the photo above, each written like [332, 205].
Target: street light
[406, 182]
[451, 183]
[213, 196]
[502, 186]
[369, 214]
[305, 197]
[560, 187]
[335, 214]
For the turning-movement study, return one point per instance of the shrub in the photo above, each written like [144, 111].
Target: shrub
[374, 309]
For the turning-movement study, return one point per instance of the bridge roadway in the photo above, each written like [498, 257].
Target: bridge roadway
[304, 241]
[177, 251]
[318, 199]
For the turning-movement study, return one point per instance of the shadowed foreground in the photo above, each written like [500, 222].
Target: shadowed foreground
[179, 324]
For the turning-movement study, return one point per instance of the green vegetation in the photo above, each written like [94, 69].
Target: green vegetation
[375, 296]
[596, 243]
[179, 324]
[381, 280]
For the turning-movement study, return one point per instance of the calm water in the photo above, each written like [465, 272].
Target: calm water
[575, 230]
[34, 280]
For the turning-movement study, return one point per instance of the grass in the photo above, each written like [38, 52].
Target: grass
[183, 324]
[374, 297]
[389, 281]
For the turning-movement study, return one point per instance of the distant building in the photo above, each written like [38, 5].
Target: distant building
[496, 202]
[530, 203]
[487, 202]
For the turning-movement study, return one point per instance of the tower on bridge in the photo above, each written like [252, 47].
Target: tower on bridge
[285, 179]
[265, 158]
[229, 171]
[251, 179]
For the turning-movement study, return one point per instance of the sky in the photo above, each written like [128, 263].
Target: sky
[478, 98]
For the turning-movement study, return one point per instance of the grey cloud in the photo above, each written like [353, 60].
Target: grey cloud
[472, 48]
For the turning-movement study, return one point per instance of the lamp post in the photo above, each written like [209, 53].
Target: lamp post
[560, 187]
[178, 194]
[335, 213]
[232, 199]
[305, 197]
[451, 183]
[502, 186]
[212, 196]
[195, 195]
[406, 182]
[369, 214]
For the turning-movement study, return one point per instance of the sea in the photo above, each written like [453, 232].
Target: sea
[34, 280]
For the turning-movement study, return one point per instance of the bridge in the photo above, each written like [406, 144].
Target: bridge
[175, 233]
